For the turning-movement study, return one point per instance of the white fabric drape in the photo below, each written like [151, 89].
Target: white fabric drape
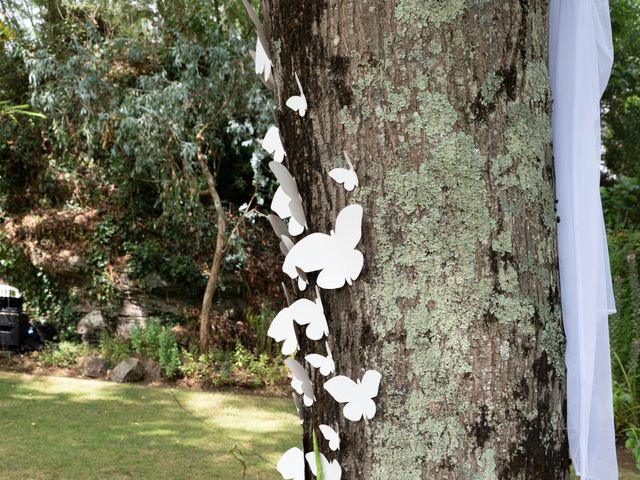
[581, 55]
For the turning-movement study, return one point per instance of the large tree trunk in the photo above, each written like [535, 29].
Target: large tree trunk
[444, 108]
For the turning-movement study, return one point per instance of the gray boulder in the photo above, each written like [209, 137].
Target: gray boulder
[128, 371]
[93, 367]
[91, 326]
[132, 314]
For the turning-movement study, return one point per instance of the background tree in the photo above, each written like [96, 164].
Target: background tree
[444, 109]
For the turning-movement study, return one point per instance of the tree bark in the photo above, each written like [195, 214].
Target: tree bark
[214, 273]
[444, 108]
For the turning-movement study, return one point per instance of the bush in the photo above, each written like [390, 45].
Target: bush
[114, 350]
[157, 342]
[239, 367]
[260, 325]
[624, 251]
[65, 354]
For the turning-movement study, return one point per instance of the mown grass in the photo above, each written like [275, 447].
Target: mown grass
[64, 428]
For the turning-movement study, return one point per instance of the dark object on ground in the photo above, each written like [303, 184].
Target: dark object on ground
[13, 323]
[36, 337]
[93, 367]
[129, 370]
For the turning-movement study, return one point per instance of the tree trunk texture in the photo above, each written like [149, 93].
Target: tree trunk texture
[444, 109]
[218, 254]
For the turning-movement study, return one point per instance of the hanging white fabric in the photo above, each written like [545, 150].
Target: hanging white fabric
[581, 56]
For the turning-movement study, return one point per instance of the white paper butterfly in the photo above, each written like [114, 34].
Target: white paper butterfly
[291, 464]
[288, 244]
[280, 229]
[282, 330]
[334, 254]
[303, 312]
[357, 396]
[261, 55]
[301, 382]
[330, 436]
[272, 143]
[348, 178]
[330, 470]
[306, 312]
[326, 364]
[287, 202]
[298, 103]
[263, 62]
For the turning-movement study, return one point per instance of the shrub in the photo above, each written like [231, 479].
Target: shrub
[64, 355]
[113, 350]
[157, 342]
[260, 324]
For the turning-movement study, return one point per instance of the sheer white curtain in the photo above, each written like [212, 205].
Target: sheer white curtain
[581, 54]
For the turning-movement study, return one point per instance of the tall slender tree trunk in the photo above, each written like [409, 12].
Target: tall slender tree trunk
[444, 108]
[218, 254]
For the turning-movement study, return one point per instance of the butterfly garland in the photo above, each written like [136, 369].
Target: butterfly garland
[337, 260]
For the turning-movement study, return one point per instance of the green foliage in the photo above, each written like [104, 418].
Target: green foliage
[239, 367]
[633, 443]
[260, 324]
[98, 262]
[112, 349]
[44, 298]
[157, 342]
[624, 250]
[14, 111]
[149, 257]
[263, 370]
[64, 354]
[125, 87]
[621, 102]
[621, 203]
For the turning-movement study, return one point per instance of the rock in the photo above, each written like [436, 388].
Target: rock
[91, 326]
[129, 370]
[125, 325]
[153, 281]
[152, 369]
[93, 367]
[132, 314]
[132, 308]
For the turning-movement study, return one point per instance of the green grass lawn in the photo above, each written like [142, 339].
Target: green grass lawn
[65, 428]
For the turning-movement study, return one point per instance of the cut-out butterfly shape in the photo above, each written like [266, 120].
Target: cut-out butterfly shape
[311, 314]
[272, 143]
[281, 231]
[298, 103]
[330, 470]
[287, 202]
[303, 312]
[335, 254]
[286, 244]
[330, 436]
[358, 396]
[282, 330]
[326, 364]
[263, 62]
[347, 177]
[291, 464]
[301, 382]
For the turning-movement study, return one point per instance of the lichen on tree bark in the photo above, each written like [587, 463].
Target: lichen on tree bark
[444, 108]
